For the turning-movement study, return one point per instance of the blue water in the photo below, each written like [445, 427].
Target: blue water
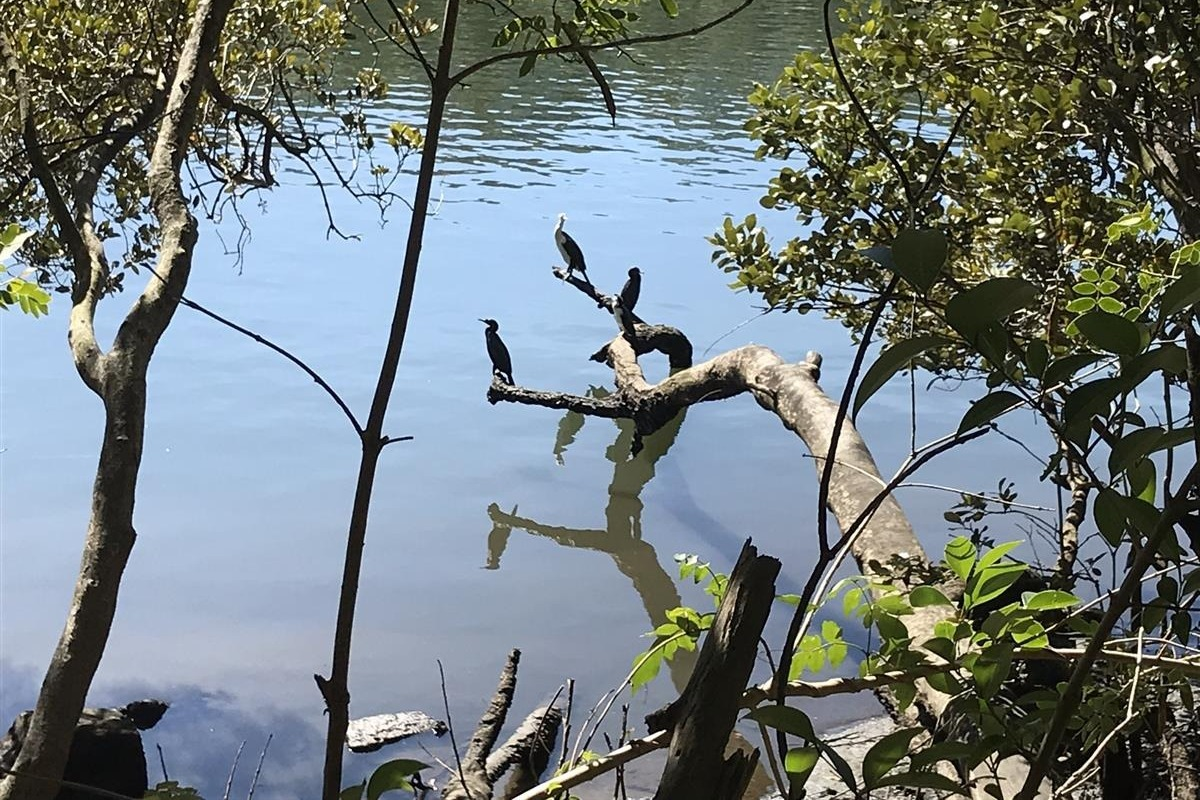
[228, 603]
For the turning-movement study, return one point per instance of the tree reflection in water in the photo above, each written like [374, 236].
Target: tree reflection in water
[622, 537]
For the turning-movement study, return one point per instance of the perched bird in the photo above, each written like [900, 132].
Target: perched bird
[624, 319]
[569, 249]
[497, 352]
[631, 289]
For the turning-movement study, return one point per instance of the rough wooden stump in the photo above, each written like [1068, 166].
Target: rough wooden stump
[704, 715]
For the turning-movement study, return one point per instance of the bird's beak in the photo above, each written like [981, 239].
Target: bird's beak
[484, 321]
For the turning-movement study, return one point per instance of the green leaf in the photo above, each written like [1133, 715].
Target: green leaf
[1037, 357]
[891, 361]
[1133, 448]
[799, 763]
[670, 8]
[1028, 633]
[852, 600]
[992, 668]
[904, 694]
[1169, 358]
[1111, 333]
[987, 408]
[785, 718]
[922, 596]
[988, 584]
[1088, 401]
[646, 667]
[996, 553]
[886, 754]
[974, 310]
[1062, 369]
[527, 65]
[354, 792]
[1183, 293]
[1142, 479]
[393, 775]
[923, 780]
[941, 646]
[960, 556]
[840, 767]
[919, 256]
[1050, 600]
[12, 240]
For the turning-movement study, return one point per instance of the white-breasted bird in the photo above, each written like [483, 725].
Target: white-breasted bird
[624, 319]
[570, 250]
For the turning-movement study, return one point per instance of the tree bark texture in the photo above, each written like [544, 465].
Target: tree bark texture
[705, 713]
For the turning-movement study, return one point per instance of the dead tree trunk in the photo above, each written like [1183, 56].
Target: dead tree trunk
[704, 714]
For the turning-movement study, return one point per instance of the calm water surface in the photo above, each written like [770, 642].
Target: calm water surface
[497, 527]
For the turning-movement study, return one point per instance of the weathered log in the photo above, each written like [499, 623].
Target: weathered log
[527, 752]
[368, 734]
[705, 713]
[471, 781]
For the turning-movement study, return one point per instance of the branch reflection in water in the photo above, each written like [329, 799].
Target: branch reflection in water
[621, 538]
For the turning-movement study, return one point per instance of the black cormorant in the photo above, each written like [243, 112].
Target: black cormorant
[569, 249]
[631, 289]
[497, 352]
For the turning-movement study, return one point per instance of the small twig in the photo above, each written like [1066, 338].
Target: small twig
[562, 759]
[258, 770]
[772, 761]
[233, 769]
[412, 41]
[1086, 769]
[1073, 692]
[840, 421]
[862, 113]
[309, 371]
[619, 785]
[162, 762]
[945, 148]
[450, 729]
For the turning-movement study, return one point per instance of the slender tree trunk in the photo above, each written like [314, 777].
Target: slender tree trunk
[337, 697]
[119, 378]
[106, 551]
